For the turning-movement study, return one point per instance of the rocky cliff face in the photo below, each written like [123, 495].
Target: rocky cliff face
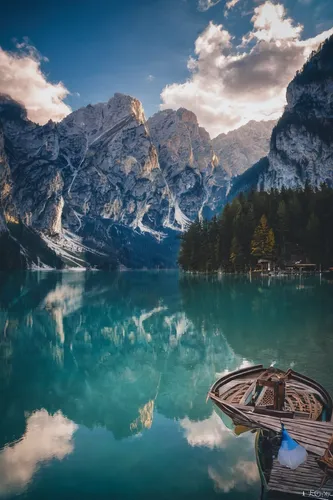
[240, 149]
[194, 178]
[104, 184]
[107, 188]
[111, 168]
[301, 148]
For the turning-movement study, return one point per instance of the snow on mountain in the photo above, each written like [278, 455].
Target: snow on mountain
[124, 186]
[107, 188]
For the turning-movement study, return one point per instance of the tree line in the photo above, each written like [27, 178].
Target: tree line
[283, 226]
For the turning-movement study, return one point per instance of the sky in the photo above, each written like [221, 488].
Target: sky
[229, 61]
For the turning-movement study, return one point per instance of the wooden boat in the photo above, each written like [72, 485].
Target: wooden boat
[270, 391]
[262, 399]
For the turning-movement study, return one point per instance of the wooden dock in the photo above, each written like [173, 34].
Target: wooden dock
[314, 436]
[304, 481]
[264, 400]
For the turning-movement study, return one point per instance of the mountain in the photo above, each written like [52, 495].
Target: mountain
[195, 179]
[107, 188]
[104, 187]
[301, 144]
[239, 149]
[301, 149]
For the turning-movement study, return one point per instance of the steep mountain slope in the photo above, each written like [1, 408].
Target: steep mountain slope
[301, 148]
[107, 188]
[100, 188]
[249, 180]
[239, 149]
[195, 180]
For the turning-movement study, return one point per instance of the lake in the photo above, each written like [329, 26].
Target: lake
[103, 379]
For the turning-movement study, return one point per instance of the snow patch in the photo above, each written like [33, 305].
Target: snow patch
[138, 224]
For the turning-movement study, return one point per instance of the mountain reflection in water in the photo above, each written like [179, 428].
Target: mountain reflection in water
[103, 378]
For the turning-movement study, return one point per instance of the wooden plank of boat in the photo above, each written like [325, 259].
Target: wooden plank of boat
[234, 375]
[310, 425]
[299, 429]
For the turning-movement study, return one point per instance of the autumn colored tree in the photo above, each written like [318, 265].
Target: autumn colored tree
[263, 242]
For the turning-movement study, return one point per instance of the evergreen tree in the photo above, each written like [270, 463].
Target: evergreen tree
[282, 225]
[235, 253]
[301, 220]
[312, 237]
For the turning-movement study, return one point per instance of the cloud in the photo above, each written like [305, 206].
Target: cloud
[207, 4]
[271, 24]
[150, 78]
[231, 4]
[47, 437]
[232, 84]
[21, 77]
[243, 474]
[211, 433]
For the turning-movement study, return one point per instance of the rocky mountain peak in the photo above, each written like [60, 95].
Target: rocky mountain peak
[11, 110]
[239, 149]
[180, 140]
[107, 178]
[302, 141]
[187, 116]
[122, 103]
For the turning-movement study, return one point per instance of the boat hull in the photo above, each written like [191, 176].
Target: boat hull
[255, 389]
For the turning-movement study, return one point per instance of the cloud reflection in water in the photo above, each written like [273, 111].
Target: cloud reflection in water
[46, 437]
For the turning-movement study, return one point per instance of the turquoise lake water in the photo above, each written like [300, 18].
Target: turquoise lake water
[103, 379]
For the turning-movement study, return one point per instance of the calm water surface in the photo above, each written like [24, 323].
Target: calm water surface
[103, 379]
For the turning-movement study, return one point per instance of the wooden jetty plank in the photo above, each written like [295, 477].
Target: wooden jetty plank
[307, 477]
[315, 438]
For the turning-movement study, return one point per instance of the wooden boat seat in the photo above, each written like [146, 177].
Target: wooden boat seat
[326, 463]
[304, 402]
[235, 394]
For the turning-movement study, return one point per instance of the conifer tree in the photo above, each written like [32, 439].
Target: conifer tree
[300, 219]
[235, 252]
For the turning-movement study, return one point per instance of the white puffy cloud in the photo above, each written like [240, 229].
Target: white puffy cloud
[211, 433]
[207, 4]
[238, 477]
[47, 437]
[22, 78]
[270, 23]
[232, 84]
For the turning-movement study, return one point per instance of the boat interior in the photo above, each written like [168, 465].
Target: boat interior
[273, 390]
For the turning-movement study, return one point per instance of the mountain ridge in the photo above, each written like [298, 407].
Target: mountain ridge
[100, 180]
[105, 187]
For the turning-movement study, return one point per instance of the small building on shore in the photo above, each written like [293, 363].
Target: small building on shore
[266, 265]
[301, 267]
